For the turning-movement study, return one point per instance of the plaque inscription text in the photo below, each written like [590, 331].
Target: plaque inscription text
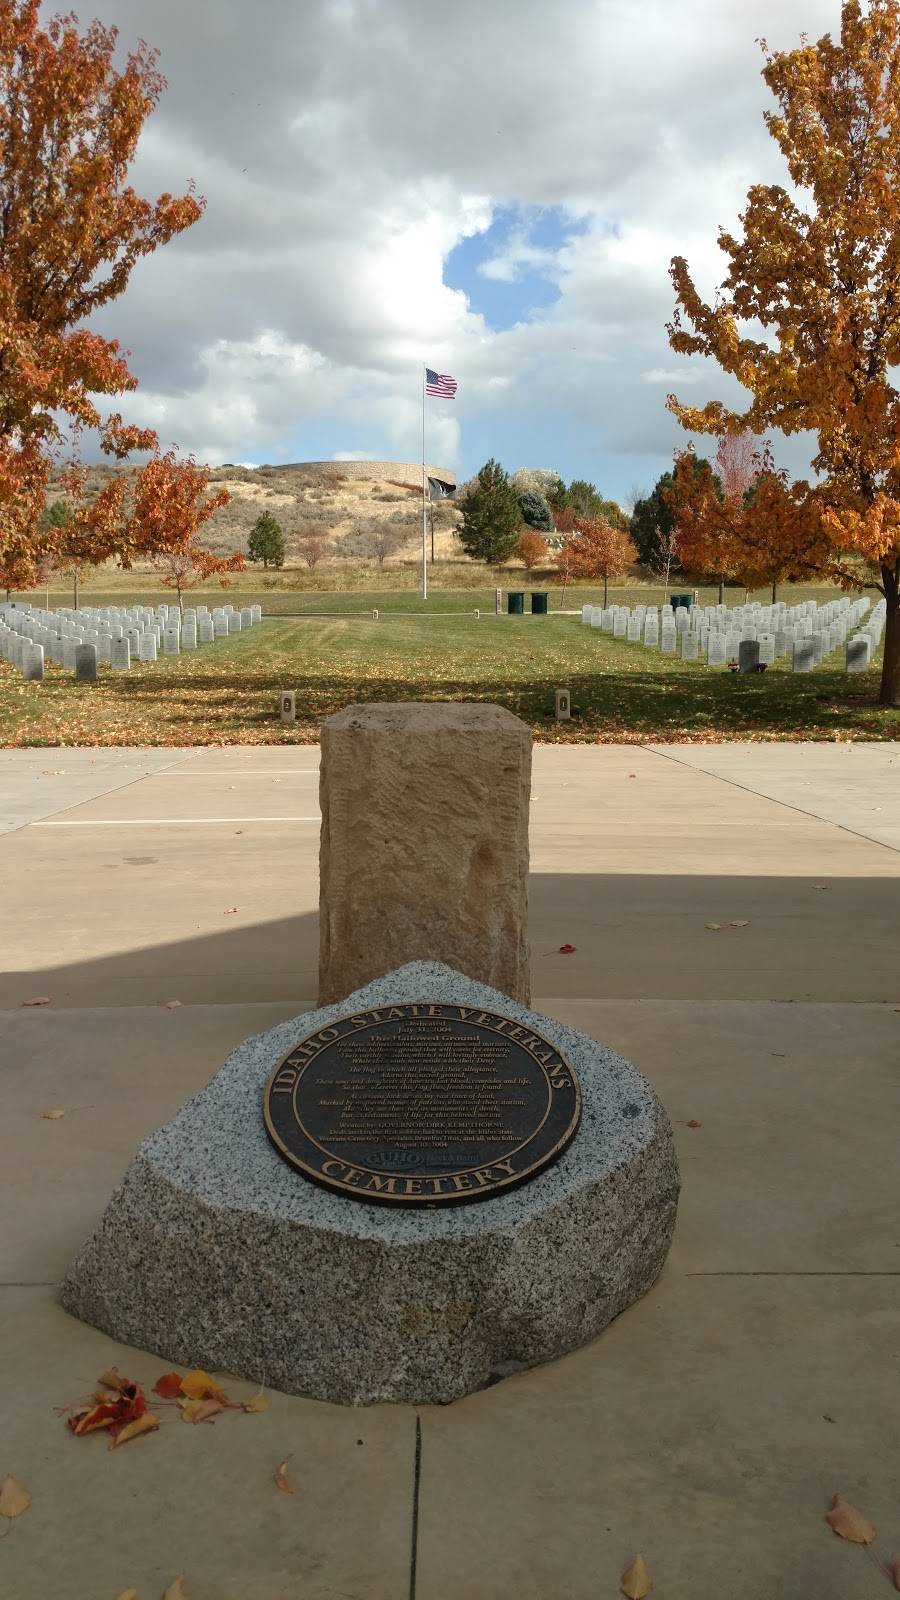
[422, 1103]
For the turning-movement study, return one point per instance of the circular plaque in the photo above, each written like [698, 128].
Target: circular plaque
[422, 1104]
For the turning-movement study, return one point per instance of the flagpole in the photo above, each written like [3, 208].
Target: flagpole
[424, 480]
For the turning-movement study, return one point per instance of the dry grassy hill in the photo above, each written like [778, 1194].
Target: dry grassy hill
[345, 507]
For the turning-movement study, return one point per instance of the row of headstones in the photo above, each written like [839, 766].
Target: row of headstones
[750, 636]
[79, 640]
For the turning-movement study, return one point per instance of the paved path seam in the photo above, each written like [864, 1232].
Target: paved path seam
[787, 805]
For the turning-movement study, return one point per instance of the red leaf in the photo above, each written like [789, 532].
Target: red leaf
[693, 1124]
[567, 949]
[168, 1387]
[91, 1417]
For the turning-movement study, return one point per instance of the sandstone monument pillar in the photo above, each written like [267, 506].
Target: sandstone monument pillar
[424, 846]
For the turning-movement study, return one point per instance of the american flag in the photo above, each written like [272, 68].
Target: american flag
[439, 383]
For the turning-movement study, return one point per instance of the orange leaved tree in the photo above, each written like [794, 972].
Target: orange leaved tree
[819, 272]
[764, 537]
[71, 230]
[531, 548]
[94, 530]
[593, 548]
[167, 511]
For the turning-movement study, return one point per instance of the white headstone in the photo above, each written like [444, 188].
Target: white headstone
[858, 651]
[148, 646]
[85, 662]
[121, 654]
[33, 665]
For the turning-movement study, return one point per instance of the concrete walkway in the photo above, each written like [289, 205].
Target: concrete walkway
[710, 1425]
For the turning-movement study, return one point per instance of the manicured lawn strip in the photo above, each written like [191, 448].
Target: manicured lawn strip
[137, 588]
[226, 693]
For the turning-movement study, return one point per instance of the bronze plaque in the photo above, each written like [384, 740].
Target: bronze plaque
[422, 1104]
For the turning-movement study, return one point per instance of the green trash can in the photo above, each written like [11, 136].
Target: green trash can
[538, 603]
[515, 603]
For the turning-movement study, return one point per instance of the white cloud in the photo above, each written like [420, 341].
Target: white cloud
[346, 146]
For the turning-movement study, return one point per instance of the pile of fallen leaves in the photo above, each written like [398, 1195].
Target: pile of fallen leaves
[119, 1407]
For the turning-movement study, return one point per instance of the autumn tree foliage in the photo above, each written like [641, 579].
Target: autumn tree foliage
[819, 272]
[71, 230]
[531, 548]
[167, 511]
[711, 509]
[594, 548]
[312, 545]
[80, 532]
[654, 514]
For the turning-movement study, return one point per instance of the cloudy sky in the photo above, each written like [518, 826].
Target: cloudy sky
[491, 187]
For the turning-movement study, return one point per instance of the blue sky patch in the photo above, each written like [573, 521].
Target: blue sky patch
[521, 243]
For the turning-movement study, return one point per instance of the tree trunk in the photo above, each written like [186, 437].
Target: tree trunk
[606, 589]
[75, 586]
[774, 592]
[889, 694]
[721, 591]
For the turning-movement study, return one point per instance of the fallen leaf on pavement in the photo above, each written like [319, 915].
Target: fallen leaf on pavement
[168, 1387]
[739, 924]
[128, 1594]
[198, 1385]
[112, 1379]
[894, 1570]
[230, 911]
[14, 1498]
[635, 1580]
[259, 1402]
[176, 1590]
[714, 925]
[567, 949]
[848, 1522]
[39, 1000]
[693, 1124]
[90, 1418]
[200, 1410]
[145, 1423]
[282, 1479]
[52, 1116]
[172, 1005]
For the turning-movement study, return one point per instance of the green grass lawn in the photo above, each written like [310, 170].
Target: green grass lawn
[226, 693]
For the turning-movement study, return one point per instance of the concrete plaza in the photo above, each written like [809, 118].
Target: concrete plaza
[710, 1425]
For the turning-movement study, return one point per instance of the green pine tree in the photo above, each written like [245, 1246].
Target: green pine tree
[535, 512]
[491, 519]
[266, 542]
[55, 515]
